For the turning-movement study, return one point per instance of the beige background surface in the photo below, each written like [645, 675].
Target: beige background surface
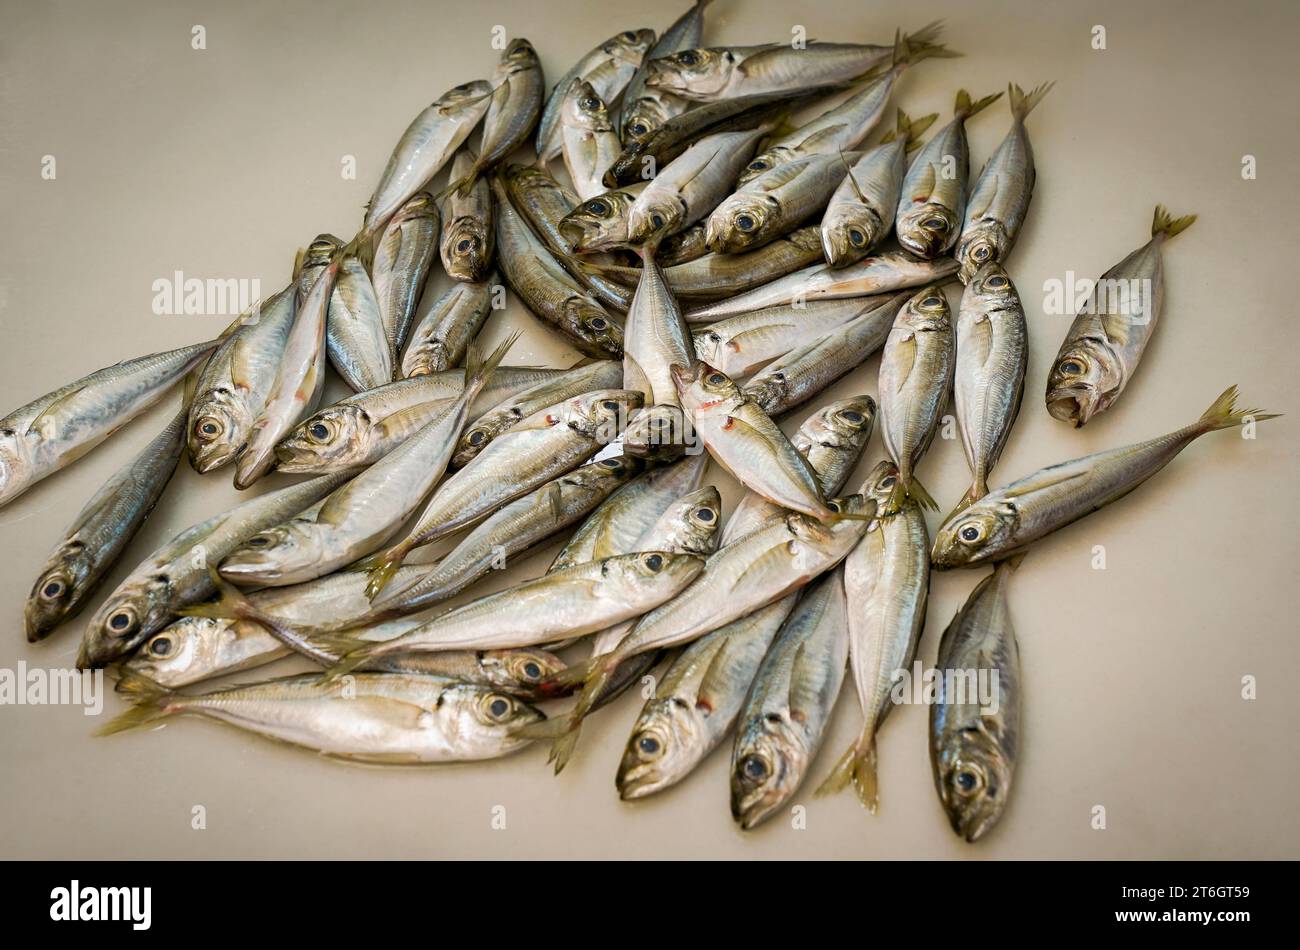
[221, 162]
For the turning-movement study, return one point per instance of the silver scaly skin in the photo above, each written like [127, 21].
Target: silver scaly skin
[644, 109]
[402, 260]
[359, 344]
[590, 143]
[443, 335]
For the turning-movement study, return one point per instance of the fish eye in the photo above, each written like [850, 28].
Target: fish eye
[654, 562]
[997, 282]
[931, 302]
[982, 252]
[1071, 367]
[705, 514]
[463, 245]
[888, 481]
[754, 768]
[498, 707]
[971, 533]
[934, 224]
[122, 621]
[639, 128]
[628, 36]
[208, 428]
[598, 207]
[717, 379]
[648, 746]
[52, 590]
[746, 222]
[258, 541]
[160, 646]
[832, 506]
[477, 437]
[319, 432]
[966, 780]
[857, 237]
[688, 58]
[657, 220]
[532, 670]
[852, 415]
[590, 103]
[600, 323]
[609, 404]
[760, 164]
[611, 463]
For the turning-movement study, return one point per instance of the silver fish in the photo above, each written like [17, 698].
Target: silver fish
[468, 235]
[590, 142]
[54, 431]
[1101, 351]
[358, 343]
[402, 261]
[655, 339]
[645, 109]
[513, 110]
[441, 338]
[600, 222]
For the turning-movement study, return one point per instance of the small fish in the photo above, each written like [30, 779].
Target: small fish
[973, 754]
[1000, 199]
[600, 223]
[102, 531]
[401, 266]
[359, 344]
[1006, 521]
[645, 109]
[860, 214]
[443, 335]
[1101, 351]
[916, 370]
[54, 431]
[784, 720]
[933, 200]
[989, 379]
[513, 110]
[590, 143]
[655, 340]
[468, 235]
[376, 718]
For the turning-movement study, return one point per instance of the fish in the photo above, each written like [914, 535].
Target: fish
[357, 518]
[784, 719]
[599, 224]
[443, 335]
[887, 584]
[513, 110]
[427, 144]
[877, 274]
[236, 381]
[590, 142]
[726, 72]
[176, 574]
[547, 289]
[357, 341]
[795, 378]
[548, 443]
[468, 234]
[1102, 348]
[932, 203]
[973, 754]
[1000, 199]
[989, 377]
[860, 214]
[375, 718]
[101, 532]
[916, 371]
[774, 203]
[402, 260]
[525, 403]
[1007, 520]
[656, 339]
[645, 109]
[690, 186]
[364, 427]
[683, 247]
[747, 443]
[608, 69]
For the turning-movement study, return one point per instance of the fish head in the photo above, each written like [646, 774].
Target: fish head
[661, 749]
[265, 556]
[584, 109]
[649, 578]
[590, 323]
[313, 259]
[765, 161]
[692, 73]
[334, 437]
[682, 247]
[485, 719]
[928, 229]
[879, 486]
[598, 223]
[982, 242]
[769, 388]
[654, 216]
[601, 414]
[136, 610]
[193, 648]
[703, 389]
[599, 478]
[690, 524]
[766, 768]
[843, 424]
[926, 312]
[973, 774]
[467, 96]
[467, 249]
[15, 464]
[518, 56]
[850, 229]
[975, 533]
[630, 46]
[1084, 380]
[742, 221]
[58, 588]
[660, 433]
[419, 205]
[426, 357]
[714, 348]
[218, 425]
[645, 117]
[520, 671]
[812, 540]
[992, 288]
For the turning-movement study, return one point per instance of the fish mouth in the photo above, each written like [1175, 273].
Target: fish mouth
[1072, 404]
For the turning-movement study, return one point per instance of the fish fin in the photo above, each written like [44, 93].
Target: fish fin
[54, 407]
[231, 604]
[479, 369]
[917, 129]
[1224, 414]
[916, 491]
[901, 122]
[1164, 225]
[362, 247]
[857, 764]
[973, 494]
[965, 108]
[853, 182]
[1023, 103]
[149, 703]
[382, 570]
[927, 35]
[348, 662]
[565, 681]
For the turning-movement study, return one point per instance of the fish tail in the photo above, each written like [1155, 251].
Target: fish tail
[149, 703]
[382, 571]
[1224, 414]
[916, 491]
[857, 764]
[965, 108]
[231, 604]
[977, 490]
[362, 247]
[907, 130]
[1023, 103]
[1164, 225]
[927, 35]
[349, 662]
[479, 369]
[562, 748]
[910, 49]
[566, 680]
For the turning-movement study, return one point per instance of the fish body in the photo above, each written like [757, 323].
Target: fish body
[655, 339]
[468, 235]
[443, 335]
[402, 261]
[590, 143]
[513, 109]
[645, 109]
[360, 346]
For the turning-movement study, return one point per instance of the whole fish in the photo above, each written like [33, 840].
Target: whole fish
[726, 72]
[513, 110]
[655, 339]
[860, 214]
[426, 145]
[401, 266]
[887, 583]
[548, 443]
[377, 718]
[177, 575]
[365, 427]
[1000, 199]
[600, 223]
[509, 412]
[235, 382]
[989, 380]
[359, 344]
[785, 717]
[547, 289]
[877, 274]
[360, 516]
[607, 69]
[443, 335]
[690, 186]
[468, 236]
[973, 751]
[54, 431]
[102, 531]
[932, 203]
[645, 109]
[590, 143]
[1007, 520]
[803, 373]
[1101, 351]
[916, 370]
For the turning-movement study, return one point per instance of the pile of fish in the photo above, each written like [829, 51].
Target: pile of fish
[717, 264]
